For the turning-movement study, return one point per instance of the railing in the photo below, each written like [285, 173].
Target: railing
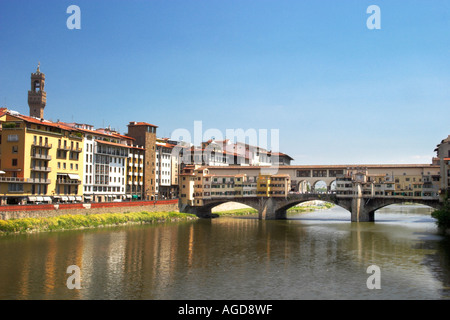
[41, 156]
[41, 145]
[13, 179]
[45, 169]
[75, 149]
[61, 181]
[39, 180]
[64, 147]
[25, 180]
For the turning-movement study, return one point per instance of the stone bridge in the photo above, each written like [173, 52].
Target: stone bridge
[362, 208]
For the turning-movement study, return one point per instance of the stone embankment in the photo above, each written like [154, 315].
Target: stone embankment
[53, 210]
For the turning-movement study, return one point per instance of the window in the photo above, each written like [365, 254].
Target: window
[14, 162]
[13, 138]
[303, 173]
[15, 187]
[15, 149]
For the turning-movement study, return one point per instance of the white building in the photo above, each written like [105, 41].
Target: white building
[105, 163]
[166, 174]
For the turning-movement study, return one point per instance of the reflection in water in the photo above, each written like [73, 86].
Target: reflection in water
[317, 255]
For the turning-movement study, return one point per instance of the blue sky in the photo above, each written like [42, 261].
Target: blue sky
[338, 92]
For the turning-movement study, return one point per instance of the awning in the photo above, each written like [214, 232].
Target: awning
[88, 197]
[78, 198]
[135, 196]
[39, 199]
[64, 198]
[2, 172]
[73, 176]
[32, 199]
[47, 199]
[71, 198]
[128, 195]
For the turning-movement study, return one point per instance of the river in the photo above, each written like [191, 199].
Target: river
[316, 255]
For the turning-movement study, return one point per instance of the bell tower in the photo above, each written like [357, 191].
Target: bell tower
[37, 97]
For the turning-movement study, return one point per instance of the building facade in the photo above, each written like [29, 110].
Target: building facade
[167, 163]
[144, 134]
[42, 161]
[443, 154]
[106, 163]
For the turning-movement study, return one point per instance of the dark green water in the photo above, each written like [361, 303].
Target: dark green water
[317, 255]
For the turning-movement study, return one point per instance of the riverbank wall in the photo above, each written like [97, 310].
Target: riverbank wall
[53, 210]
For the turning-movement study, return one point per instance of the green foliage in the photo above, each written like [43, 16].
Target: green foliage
[442, 215]
[238, 212]
[8, 125]
[65, 222]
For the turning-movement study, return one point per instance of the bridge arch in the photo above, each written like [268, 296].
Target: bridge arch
[372, 209]
[319, 185]
[331, 198]
[332, 186]
[206, 209]
[214, 206]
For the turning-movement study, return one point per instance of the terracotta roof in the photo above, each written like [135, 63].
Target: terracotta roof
[166, 145]
[113, 143]
[141, 124]
[105, 134]
[220, 151]
[280, 154]
[136, 147]
[44, 122]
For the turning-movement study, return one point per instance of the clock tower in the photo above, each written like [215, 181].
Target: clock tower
[37, 97]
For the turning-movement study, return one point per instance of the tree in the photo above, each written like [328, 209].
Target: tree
[442, 215]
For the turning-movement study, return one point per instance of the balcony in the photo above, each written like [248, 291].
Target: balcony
[39, 180]
[41, 156]
[41, 145]
[42, 169]
[76, 149]
[14, 179]
[63, 147]
[70, 182]
[25, 180]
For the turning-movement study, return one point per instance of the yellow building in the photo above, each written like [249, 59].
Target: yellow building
[280, 185]
[408, 185]
[186, 185]
[273, 185]
[42, 161]
[262, 187]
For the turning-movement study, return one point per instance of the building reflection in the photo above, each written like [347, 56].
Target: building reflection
[207, 258]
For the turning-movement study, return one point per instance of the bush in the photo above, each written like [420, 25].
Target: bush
[442, 215]
[65, 222]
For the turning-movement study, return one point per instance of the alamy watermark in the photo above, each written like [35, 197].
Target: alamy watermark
[235, 147]
[74, 280]
[374, 281]
[374, 21]
[74, 20]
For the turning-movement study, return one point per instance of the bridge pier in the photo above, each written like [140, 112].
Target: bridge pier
[268, 210]
[359, 212]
